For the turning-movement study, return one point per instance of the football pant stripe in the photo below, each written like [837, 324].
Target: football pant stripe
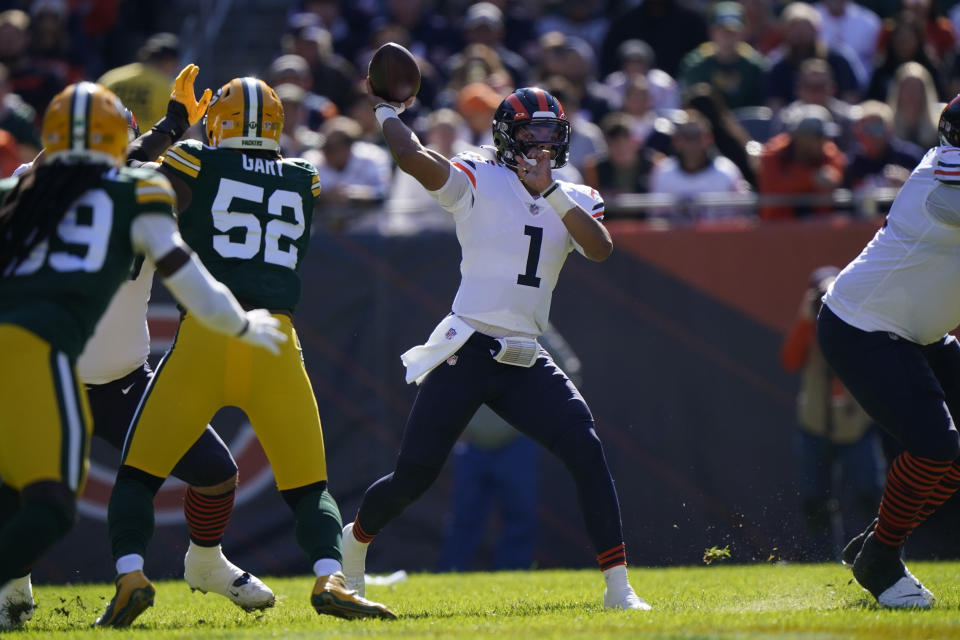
[143, 398]
[73, 435]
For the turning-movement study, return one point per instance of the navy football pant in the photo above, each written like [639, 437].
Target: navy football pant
[540, 401]
[911, 390]
[208, 462]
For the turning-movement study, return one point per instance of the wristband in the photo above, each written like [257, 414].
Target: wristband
[175, 122]
[557, 198]
[385, 111]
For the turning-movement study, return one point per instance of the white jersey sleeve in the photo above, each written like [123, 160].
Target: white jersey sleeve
[467, 171]
[588, 199]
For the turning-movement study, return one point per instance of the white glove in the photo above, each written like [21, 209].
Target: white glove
[261, 331]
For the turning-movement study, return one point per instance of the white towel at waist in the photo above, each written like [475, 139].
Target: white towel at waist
[446, 340]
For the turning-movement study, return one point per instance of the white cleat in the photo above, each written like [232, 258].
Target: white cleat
[906, 593]
[624, 599]
[206, 571]
[926, 593]
[16, 603]
[354, 561]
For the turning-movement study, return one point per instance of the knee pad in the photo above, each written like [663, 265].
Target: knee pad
[293, 496]
[55, 498]
[151, 482]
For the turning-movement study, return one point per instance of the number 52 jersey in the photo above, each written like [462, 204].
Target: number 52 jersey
[248, 219]
[513, 244]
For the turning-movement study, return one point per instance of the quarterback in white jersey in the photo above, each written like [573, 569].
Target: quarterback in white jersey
[884, 331]
[516, 225]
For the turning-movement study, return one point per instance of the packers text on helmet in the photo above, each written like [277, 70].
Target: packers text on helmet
[245, 114]
[85, 122]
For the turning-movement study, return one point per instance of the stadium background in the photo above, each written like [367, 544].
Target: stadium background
[678, 334]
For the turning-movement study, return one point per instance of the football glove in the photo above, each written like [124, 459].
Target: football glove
[260, 330]
[183, 109]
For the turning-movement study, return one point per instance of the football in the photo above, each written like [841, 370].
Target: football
[394, 73]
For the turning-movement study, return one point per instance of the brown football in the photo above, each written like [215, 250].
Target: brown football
[394, 73]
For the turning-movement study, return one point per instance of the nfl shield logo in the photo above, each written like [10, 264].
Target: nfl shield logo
[450, 334]
[534, 209]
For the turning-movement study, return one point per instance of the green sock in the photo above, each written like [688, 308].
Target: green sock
[27, 534]
[9, 503]
[317, 526]
[130, 517]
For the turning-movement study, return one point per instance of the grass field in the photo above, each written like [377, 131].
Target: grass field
[809, 602]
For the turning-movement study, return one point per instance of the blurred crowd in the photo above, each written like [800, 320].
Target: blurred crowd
[709, 111]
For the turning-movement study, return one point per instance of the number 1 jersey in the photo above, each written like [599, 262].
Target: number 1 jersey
[513, 244]
[248, 219]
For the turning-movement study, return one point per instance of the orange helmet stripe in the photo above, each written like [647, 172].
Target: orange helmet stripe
[541, 99]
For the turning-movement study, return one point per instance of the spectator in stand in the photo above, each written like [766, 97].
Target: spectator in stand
[637, 104]
[733, 67]
[144, 86]
[762, 31]
[801, 161]
[585, 20]
[636, 60]
[354, 175]
[627, 164]
[844, 22]
[916, 111]
[333, 74]
[483, 24]
[672, 29]
[56, 40]
[729, 136]
[292, 69]
[880, 159]
[35, 84]
[586, 138]
[410, 208]
[696, 168]
[938, 32]
[519, 20]
[477, 103]
[802, 24]
[905, 44]
[296, 136]
[10, 154]
[573, 59]
[431, 37]
[347, 24]
[838, 447]
[18, 118]
[476, 63]
[815, 85]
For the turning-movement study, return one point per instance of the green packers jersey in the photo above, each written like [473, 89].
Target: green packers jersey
[248, 219]
[63, 287]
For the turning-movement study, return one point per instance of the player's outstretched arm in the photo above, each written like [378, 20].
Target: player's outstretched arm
[183, 111]
[430, 168]
[192, 285]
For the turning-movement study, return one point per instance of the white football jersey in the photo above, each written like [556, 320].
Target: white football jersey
[121, 340]
[513, 244]
[906, 280]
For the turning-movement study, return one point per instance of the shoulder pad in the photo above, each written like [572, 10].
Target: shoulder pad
[184, 158]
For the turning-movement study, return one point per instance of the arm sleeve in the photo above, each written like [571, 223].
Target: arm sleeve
[456, 195]
[148, 147]
[192, 285]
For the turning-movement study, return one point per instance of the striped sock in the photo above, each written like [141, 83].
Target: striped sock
[940, 494]
[613, 557]
[207, 516]
[910, 483]
[360, 534]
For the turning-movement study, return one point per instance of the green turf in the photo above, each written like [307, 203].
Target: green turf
[808, 602]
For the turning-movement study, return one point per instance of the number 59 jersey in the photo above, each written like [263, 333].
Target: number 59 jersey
[248, 219]
[61, 289]
[513, 244]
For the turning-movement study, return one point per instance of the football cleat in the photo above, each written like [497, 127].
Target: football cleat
[354, 561]
[624, 598]
[219, 575]
[879, 569]
[849, 553]
[332, 597]
[134, 594]
[16, 603]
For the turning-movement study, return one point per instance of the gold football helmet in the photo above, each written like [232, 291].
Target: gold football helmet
[85, 122]
[245, 114]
